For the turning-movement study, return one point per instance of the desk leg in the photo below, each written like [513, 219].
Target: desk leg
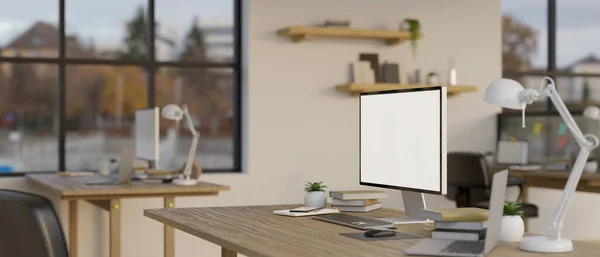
[524, 199]
[169, 231]
[227, 253]
[115, 228]
[73, 228]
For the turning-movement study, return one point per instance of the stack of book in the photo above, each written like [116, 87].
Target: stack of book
[357, 201]
[458, 223]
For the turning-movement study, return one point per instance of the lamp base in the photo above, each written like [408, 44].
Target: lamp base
[546, 244]
[184, 182]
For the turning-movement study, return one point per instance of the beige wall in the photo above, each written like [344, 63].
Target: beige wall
[298, 128]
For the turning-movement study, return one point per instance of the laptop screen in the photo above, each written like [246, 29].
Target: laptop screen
[496, 210]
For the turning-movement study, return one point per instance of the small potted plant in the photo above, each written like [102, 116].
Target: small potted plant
[315, 194]
[414, 27]
[512, 227]
[591, 165]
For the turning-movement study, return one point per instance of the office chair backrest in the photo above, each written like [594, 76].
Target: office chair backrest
[467, 168]
[29, 226]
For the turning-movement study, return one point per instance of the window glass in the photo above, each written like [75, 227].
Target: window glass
[28, 121]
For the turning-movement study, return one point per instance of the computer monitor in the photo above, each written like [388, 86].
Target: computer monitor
[403, 145]
[147, 136]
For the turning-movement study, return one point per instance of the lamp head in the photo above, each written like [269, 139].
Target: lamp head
[592, 112]
[505, 93]
[172, 112]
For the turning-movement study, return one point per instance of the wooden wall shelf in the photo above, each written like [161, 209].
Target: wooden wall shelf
[356, 89]
[302, 33]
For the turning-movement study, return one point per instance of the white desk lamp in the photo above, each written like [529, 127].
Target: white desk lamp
[174, 112]
[510, 94]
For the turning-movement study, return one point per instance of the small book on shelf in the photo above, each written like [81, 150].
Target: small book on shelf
[360, 202]
[456, 214]
[358, 194]
[462, 225]
[367, 208]
[455, 234]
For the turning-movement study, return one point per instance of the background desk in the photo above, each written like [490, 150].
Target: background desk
[255, 232]
[108, 197]
[589, 182]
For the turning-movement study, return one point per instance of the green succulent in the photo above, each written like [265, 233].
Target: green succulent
[513, 209]
[314, 186]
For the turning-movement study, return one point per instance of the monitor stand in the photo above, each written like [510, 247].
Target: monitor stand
[413, 204]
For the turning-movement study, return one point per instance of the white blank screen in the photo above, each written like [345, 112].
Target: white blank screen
[400, 139]
[146, 134]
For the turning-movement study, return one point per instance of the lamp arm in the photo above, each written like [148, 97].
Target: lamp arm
[187, 172]
[562, 109]
[196, 136]
[586, 142]
[188, 117]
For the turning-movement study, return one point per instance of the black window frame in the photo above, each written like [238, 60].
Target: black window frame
[151, 65]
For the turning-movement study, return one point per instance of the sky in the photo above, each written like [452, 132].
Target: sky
[577, 22]
[104, 20]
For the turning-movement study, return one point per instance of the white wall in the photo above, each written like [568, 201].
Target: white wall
[298, 128]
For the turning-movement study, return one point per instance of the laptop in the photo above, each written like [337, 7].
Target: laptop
[353, 221]
[125, 171]
[439, 247]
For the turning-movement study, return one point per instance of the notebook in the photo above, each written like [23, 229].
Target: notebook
[302, 214]
[456, 214]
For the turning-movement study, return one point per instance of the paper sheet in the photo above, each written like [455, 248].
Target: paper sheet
[562, 141]
[562, 129]
[537, 128]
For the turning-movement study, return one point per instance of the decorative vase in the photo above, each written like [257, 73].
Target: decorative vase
[591, 167]
[315, 199]
[512, 229]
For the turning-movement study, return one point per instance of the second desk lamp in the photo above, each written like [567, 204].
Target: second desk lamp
[510, 94]
[176, 113]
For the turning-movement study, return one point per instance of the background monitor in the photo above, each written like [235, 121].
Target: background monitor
[147, 135]
[403, 140]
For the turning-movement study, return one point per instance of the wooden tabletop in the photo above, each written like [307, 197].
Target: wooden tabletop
[76, 187]
[255, 232]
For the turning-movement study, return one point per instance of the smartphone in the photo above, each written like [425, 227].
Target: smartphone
[305, 209]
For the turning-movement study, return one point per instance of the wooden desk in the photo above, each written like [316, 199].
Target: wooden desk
[108, 197]
[255, 232]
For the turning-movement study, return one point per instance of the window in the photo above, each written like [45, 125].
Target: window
[70, 82]
[524, 42]
[565, 49]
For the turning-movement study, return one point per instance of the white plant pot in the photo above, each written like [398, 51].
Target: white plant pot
[315, 199]
[512, 229]
[591, 167]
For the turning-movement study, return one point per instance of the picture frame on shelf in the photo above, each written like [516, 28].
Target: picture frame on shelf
[362, 72]
[373, 60]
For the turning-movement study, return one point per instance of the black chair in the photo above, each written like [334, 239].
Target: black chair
[29, 226]
[469, 182]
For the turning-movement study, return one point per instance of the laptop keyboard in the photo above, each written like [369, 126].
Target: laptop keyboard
[464, 247]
